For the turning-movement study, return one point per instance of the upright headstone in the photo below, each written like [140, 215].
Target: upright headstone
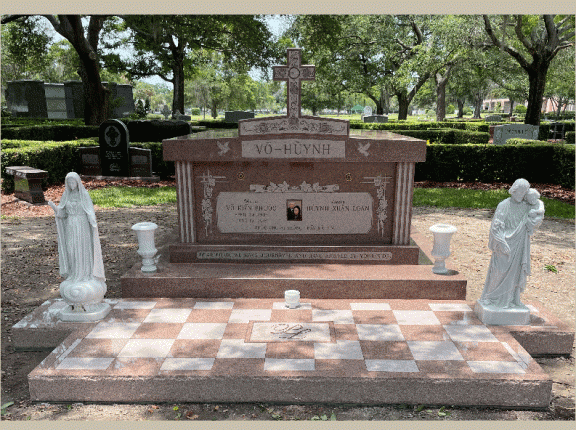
[508, 131]
[493, 118]
[367, 110]
[166, 112]
[140, 163]
[26, 98]
[376, 118]
[90, 161]
[74, 94]
[56, 101]
[114, 148]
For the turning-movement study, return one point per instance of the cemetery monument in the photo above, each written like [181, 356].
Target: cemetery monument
[352, 191]
[508, 131]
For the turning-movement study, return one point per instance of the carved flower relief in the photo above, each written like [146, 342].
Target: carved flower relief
[294, 88]
[280, 73]
[306, 188]
[284, 187]
[308, 72]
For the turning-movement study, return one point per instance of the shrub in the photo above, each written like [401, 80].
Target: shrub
[518, 141]
[196, 111]
[444, 135]
[216, 123]
[56, 132]
[520, 109]
[59, 158]
[569, 137]
[540, 163]
[156, 131]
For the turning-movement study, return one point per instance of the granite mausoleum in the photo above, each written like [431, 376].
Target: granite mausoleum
[352, 191]
[36, 99]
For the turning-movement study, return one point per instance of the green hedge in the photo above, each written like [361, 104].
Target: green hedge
[539, 163]
[59, 158]
[422, 125]
[156, 131]
[518, 141]
[215, 123]
[58, 132]
[569, 137]
[443, 135]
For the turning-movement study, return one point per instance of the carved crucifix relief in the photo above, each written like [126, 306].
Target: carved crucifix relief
[294, 73]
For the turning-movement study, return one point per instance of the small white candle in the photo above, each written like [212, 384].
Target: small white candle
[292, 298]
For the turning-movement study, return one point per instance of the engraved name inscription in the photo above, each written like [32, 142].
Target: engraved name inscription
[303, 255]
[293, 148]
[294, 213]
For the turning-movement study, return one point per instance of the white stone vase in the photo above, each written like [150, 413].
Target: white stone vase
[147, 249]
[292, 298]
[441, 248]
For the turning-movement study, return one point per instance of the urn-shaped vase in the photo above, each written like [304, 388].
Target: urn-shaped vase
[441, 248]
[146, 247]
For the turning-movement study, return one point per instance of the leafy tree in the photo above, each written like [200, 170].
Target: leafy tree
[83, 33]
[560, 80]
[533, 41]
[162, 44]
[24, 49]
[348, 51]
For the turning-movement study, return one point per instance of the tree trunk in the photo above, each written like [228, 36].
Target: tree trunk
[96, 96]
[403, 103]
[537, 78]
[441, 100]
[511, 107]
[478, 100]
[460, 103]
[441, 82]
[178, 79]
[378, 102]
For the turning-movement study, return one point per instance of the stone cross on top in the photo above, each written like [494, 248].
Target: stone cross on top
[294, 73]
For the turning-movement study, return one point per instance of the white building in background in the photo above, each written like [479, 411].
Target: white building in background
[547, 105]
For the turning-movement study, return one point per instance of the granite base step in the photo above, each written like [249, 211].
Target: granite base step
[322, 281]
[257, 350]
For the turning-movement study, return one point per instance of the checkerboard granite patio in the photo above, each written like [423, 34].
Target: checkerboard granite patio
[254, 350]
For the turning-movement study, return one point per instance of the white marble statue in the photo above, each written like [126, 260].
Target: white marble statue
[80, 254]
[514, 222]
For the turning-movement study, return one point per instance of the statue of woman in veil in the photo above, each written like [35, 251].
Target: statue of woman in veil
[80, 254]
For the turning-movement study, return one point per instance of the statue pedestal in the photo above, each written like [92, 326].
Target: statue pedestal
[492, 315]
[93, 312]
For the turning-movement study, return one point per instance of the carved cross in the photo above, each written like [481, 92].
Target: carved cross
[294, 73]
[112, 134]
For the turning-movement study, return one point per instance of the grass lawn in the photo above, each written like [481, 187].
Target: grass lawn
[440, 197]
[126, 197]
[479, 199]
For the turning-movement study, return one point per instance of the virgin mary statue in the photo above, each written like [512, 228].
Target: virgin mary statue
[80, 254]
